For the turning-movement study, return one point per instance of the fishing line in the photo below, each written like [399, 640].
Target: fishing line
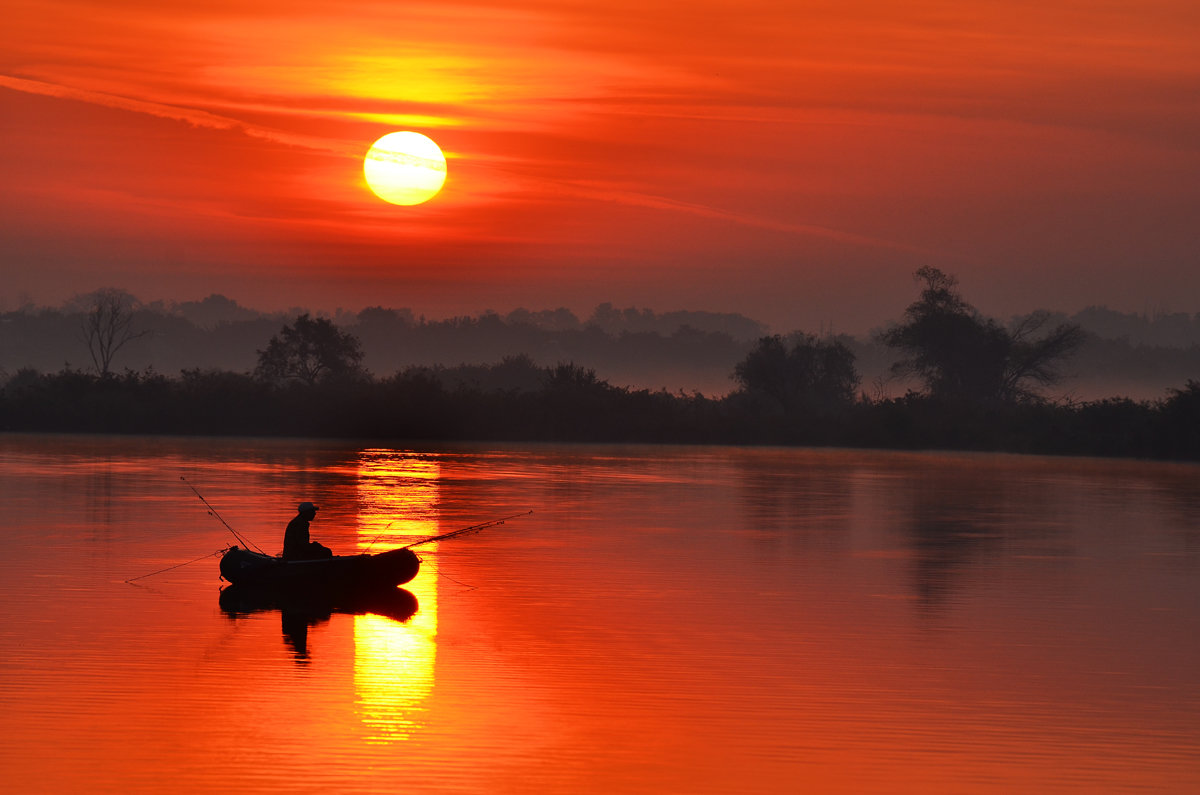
[180, 565]
[213, 512]
[457, 582]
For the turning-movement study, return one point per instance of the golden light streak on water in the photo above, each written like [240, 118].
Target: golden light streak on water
[394, 663]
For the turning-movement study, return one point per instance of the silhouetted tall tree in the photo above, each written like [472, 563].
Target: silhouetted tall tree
[107, 325]
[310, 351]
[961, 355]
[1038, 360]
[809, 374]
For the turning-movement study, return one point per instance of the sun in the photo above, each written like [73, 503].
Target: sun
[405, 168]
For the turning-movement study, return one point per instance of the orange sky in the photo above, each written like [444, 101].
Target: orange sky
[791, 161]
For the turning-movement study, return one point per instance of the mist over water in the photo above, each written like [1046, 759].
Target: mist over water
[669, 619]
[1140, 356]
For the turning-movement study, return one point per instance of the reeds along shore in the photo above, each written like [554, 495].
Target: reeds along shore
[570, 404]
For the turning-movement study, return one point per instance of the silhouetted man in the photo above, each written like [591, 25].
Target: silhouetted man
[296, 544]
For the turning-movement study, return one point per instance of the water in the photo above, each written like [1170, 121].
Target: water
[684, 620]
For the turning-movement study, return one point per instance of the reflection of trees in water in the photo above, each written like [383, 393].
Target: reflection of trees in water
[100, 486]
[797, 499]
[1175, 488]
[944, 547]
[966, 520]
[965, 516]
[954, 516]
[959, 518]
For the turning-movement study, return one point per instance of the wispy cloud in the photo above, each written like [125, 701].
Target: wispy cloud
[636, 199]
[193, 116]
[593, 192]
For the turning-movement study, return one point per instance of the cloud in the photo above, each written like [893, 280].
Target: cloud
[192, 116]
[632, 198]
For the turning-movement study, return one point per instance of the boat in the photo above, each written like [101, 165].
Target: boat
[339, 572]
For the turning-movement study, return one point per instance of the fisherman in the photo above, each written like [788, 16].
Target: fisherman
[296, 544]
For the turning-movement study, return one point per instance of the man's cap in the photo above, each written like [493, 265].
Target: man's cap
[306, 506]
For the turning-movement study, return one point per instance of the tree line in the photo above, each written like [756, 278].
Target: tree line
[685, 349]
[692, 350]
[980, 385]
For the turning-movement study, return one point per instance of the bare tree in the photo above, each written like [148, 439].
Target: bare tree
[1038, 359]
[107, 325]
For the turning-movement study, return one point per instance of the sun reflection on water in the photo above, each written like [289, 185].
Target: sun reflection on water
[394, 663]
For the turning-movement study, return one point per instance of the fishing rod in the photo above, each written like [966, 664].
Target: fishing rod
[213, 512]
[475, 528]
[381, 535]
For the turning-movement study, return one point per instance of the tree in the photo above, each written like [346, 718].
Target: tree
[1179, 419]
[567, 378]
[961, 355]
[1038, 360]
[806, 375]
[311, 351]
[107, 325]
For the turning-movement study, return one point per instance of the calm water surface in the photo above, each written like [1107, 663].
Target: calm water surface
[669, 620]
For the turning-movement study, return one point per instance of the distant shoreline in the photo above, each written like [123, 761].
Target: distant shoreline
[418, 407]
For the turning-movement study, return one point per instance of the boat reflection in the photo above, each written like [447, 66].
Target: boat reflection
[301, 609]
